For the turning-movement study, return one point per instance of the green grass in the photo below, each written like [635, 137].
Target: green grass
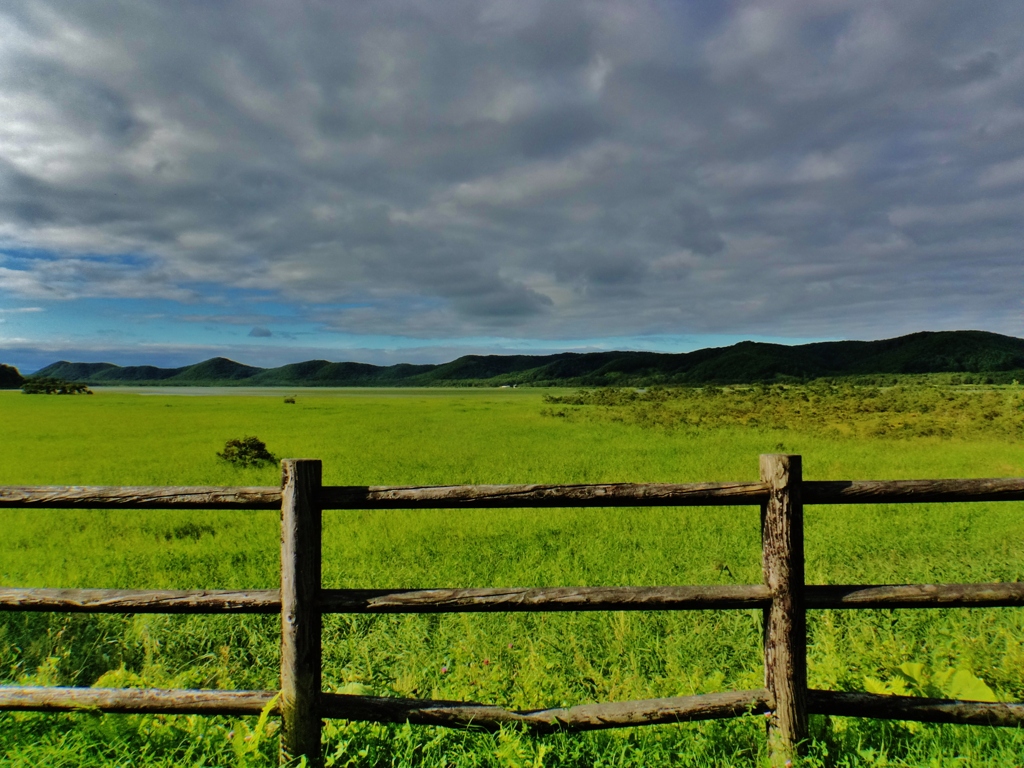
[503, 436]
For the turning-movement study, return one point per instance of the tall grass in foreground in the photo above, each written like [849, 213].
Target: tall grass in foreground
[516, 660]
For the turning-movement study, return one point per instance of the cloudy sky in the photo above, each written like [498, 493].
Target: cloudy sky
[395, 181]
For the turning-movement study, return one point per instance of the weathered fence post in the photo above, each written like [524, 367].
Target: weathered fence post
[785, 622]
[301, 480]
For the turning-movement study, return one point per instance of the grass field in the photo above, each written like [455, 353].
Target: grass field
[526, 660]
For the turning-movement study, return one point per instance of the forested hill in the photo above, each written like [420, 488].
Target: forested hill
[968, 352]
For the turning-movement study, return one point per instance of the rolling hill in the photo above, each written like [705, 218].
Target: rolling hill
[971, 352]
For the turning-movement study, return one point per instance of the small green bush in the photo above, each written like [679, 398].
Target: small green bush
[247, 452]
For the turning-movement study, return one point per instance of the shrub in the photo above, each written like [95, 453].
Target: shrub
[247, 452]
[290, 399]
[45, 385]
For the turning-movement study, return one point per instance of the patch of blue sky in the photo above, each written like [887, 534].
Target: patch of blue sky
[13, 256]
[166, 321]
[23, 258]
[149, 320]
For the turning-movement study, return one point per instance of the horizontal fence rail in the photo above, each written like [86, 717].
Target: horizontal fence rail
[466, 714]
[587, 717]
[910, 491]
[151, 701]
[514, 599]
[137, 497]
[882, 707]
[784, 597]
[519, 496]
[512, 496]
[140, 600]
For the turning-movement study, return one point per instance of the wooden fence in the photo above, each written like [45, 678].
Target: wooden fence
[301, 601]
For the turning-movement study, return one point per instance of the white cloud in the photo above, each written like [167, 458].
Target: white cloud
[559, 169]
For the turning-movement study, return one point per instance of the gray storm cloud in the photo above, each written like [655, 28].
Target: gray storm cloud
[552, 169]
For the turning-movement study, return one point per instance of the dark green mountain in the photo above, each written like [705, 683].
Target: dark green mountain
[970, 352]
[80, 371]
[218, 369]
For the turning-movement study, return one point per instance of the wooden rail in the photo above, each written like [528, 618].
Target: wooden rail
[506, 496]
[514, 599]
[784, 598]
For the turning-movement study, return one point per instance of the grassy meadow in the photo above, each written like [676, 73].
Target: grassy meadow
[119, 437]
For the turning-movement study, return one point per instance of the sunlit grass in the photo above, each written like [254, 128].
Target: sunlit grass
[532, 660]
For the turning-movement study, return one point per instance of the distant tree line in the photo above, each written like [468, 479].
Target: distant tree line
[45, 385]
[11, 378]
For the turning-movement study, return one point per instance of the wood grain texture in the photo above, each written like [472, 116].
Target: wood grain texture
[503, 496]
[139, 700]
[908, 491]
[915, 595]
[589, 717]
[301, 554]
[513, 599]
[879, 706]
[527, 599]
[137, 497]
[785, 623]
[140, 600]
[500, 496]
